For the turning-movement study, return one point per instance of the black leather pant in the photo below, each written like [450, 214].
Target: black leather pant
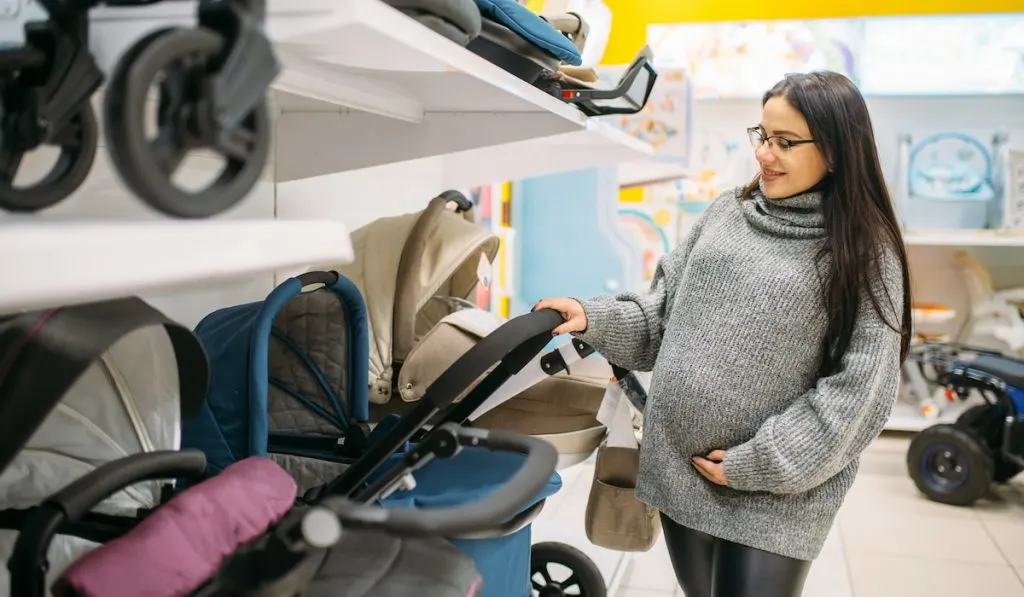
[707, 566]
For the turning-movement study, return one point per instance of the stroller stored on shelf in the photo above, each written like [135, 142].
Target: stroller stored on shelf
[217, 72]
[546, 51]
[307, 540]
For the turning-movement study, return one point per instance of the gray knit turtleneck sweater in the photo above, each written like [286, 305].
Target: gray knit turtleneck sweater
[732, 329]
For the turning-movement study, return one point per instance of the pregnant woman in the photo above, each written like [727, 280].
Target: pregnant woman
[775, 334]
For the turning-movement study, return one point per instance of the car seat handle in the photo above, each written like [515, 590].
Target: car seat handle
[462, 203]
[44, 353]
[310, 278]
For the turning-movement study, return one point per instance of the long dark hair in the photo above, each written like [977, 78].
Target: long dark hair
[859, 216]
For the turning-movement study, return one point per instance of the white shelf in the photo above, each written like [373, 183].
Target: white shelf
[52, 263]
[364, 85]
[965, 238]
[364, 54]
[599, 144]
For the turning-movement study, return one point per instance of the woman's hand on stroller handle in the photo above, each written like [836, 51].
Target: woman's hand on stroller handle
[571, 311]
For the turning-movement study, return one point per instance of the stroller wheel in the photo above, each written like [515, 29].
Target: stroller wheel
[76, 139]
[950, 465]
[182, 64]
[583, 579]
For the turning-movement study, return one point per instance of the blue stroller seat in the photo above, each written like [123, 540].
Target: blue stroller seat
[288, 380]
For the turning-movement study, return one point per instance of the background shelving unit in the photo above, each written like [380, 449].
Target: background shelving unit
[374, 114]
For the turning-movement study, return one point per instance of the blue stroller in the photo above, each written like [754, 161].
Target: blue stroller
[288, 381]
[957, 463]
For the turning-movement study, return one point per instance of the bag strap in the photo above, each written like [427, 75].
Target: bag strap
[43, 354]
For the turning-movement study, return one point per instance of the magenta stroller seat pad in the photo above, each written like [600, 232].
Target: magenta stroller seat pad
[175, 549]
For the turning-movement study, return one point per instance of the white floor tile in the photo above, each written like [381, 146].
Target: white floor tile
[895, 533]
[888, 576]
[1009, 537]
[651, 570]
[829, 576]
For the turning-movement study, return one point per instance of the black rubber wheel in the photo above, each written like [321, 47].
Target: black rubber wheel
[950, 464]
[185, 58]
[987, 421]
[77, 141]
[584, 579]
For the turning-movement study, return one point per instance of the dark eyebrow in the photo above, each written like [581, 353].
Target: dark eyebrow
[791, 133]
[780, 133]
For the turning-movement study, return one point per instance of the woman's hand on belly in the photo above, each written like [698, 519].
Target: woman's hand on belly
[711, 467]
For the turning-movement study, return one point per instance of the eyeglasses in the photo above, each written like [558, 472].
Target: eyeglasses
[758, 138]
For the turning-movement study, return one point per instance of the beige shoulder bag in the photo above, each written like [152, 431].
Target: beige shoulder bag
[615, 519]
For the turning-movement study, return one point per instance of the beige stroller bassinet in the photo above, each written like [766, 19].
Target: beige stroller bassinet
[418, 273]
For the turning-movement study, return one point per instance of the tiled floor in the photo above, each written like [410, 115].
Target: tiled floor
[888, 541]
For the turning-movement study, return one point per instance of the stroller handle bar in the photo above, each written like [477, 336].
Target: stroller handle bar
[28, 562]
[83, 494]
[501, 505]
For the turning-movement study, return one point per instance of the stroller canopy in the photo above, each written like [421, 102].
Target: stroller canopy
[126, 402]
[289, 366]
[120, 375]
[401, 264]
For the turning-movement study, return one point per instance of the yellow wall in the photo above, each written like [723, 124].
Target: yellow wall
[631, 17]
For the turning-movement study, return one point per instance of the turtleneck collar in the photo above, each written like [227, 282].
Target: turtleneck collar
[799, 216]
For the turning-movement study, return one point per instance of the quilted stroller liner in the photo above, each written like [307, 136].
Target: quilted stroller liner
[418, 274]
[127, 400]
[287, 380]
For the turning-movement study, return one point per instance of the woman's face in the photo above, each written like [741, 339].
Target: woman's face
[786, 172]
